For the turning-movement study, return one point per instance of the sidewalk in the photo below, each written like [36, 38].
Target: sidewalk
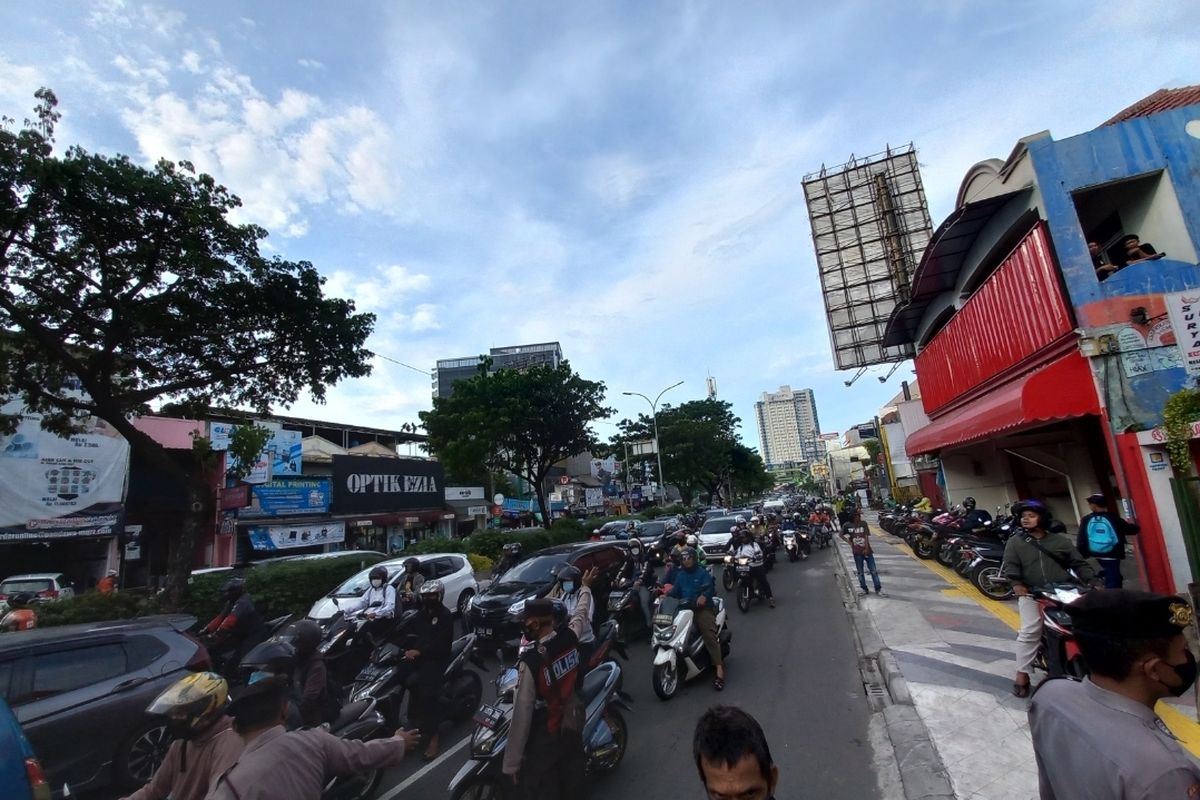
[954, 650]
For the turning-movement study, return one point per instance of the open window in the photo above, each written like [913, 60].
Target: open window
[1144, 206]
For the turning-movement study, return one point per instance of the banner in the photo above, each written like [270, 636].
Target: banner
[367, 484]
[290, 496]
[286, 537]
[464, 492]
[1183, 308]
[53, 487]
[281, 456]
[593, 497]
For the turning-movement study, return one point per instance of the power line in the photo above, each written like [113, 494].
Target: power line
[401, 363]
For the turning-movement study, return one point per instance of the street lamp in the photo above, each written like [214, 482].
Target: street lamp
[662, 479]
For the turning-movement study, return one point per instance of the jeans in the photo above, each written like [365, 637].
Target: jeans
[1029, 637]
[869, 561]
[1111, 567]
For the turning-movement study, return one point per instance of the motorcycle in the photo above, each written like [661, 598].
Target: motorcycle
[625, 606]
[347, 647]
[679, 652]
[383, 681]
[358, 720]
[225, 655]
[605, 733]
[728, 573]
[791, 545]
[1058, 652]
[747, 588]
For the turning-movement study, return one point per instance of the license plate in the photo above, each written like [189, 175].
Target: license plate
[487, 632]
[743, 570]
[369, 673]
[488, 716]
[663, 619]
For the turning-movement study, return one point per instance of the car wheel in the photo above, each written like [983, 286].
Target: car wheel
[463, 599]
[140, 756]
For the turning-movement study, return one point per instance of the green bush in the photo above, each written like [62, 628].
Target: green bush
[95, 607]
[481, 564]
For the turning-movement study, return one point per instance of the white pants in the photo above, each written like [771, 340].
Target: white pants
[1030, 634]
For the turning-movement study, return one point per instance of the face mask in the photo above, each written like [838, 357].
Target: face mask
[531, 632]
[1186, 672]
[377, 583]
[568, 587]
[637, 551]
[432, 602]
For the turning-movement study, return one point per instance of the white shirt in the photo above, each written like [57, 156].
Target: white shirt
[383, 600]
[751, 551]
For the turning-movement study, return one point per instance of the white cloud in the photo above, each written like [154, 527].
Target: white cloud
[310, 63]
[190, 60]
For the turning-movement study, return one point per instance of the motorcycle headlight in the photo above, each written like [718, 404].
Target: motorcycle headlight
[743, 562]
[516, 608]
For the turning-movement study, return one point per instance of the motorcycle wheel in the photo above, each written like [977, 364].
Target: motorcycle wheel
[481, 789]
[946, 555]
[743, 597]
[923, 548]
[727, 579]
[792, 557]
[665, 680]
[355, 787]
[620, 733]
[986, 578]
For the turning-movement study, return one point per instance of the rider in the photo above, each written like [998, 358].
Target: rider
[20, 616]
[194, 708]
[695, 587]
[410, 582]
[544, 756]
[377, 604]
[568, 591]
[238, 627]
[973, 517]
[433, 633]
[315, 702]
[639, 568]
[757, 528]
[693, 541]
[748, 548]
[510, 554]
[923, 506]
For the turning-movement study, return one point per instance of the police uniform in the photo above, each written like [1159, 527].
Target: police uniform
[1094, 743]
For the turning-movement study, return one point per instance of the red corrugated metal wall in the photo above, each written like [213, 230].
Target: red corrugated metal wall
[1018, 311]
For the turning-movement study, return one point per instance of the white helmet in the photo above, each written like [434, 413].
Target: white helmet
[755, 518]
[693, 540]
[734, 529]
[740, 520]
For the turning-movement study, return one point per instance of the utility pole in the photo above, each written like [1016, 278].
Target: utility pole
[662, 479]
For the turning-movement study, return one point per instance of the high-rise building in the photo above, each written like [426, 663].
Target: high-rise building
[788, 429]
[522, 356]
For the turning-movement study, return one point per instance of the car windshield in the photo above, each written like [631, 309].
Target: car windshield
[718, 525]
[28, 585]
[355, 586]
[538, 569]
[610, 527]
[653, 529]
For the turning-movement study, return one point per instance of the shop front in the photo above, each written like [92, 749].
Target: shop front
[388, 503]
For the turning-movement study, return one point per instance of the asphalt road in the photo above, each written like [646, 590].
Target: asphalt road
[794, 668]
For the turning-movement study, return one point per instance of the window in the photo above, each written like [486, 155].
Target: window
[6, 672]
[67, 670]
[142, 651]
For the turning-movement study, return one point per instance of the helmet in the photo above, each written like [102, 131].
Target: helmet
[735, 530]
[112, 573]
[686, 553]
[681, 537]
[275, 656]
[20, 600]
[433, 588]
[969, 503]
[378, 574]
[629, 525]
[740, 520]
[1036, 506]
[796, 515]
[412, 564]
[569, 573]
[192, 703]
[305, 635]
[234, 587]
[755, 519]
[693, 541]
[635, 543]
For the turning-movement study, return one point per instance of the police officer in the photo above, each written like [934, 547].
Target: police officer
[544, 757]
[1100, 738]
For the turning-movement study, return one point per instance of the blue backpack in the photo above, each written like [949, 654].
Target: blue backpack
[1101, 536]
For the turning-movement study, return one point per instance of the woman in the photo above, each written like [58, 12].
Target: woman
[1034, 557]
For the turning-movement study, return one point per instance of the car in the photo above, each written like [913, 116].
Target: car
[493, 616]
[80, 693]
[655, 533]
[21, 778]
[714, 535]
[452, 569]
[616, 529]
[44, 586]
[365, 556]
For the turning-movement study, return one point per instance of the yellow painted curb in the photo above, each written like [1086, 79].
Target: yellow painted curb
[1186, 729]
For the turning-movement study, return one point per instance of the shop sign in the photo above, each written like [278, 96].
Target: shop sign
[228, 524]
[593, 497]
[1183, 309]
[1157, 460]
[234, 496]
[287, 537]
[447, 516]
[291, 496]
[366, 484]
[133, 542]
[477, 511]
[464, 492]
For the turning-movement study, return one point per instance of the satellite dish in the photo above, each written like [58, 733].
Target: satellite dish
[498, 499]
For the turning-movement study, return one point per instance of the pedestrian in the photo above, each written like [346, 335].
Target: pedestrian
[1034, 557]
[1102, 537]
[732, 756]
[858, 533]
[107, 584]
[277, 764]
[1100, 738]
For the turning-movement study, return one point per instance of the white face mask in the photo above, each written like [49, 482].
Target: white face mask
[377, 583]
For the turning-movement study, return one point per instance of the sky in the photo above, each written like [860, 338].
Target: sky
[622, 177]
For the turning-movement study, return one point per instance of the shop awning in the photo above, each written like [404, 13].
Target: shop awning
[1060, 390]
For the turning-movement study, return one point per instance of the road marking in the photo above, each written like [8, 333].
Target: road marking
[1186, 729]
[423, 771]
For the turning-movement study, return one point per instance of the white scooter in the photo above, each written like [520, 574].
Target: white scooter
[679, 652]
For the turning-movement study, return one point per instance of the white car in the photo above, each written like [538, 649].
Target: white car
[452, 569]
[44, 586]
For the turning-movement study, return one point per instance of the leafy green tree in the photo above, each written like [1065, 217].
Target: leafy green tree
[521, 421]
[748, 474]
[124, 286]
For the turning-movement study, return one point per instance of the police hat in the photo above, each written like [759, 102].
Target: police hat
[1129, 614]
[541, 607]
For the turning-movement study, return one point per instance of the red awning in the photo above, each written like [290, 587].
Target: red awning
[1060, 390]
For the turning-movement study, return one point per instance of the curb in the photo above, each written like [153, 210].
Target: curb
[923, 776]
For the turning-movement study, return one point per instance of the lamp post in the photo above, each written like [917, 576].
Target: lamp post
[654, 416]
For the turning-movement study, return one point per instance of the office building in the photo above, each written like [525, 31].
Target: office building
[788, 429]
[523, 356]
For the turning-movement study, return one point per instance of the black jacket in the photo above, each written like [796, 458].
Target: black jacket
[1122, 528]
[434, 633]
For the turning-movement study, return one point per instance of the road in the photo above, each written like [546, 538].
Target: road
[794, 668]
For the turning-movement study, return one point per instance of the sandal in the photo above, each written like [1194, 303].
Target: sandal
[719, 684]
[1020, 689]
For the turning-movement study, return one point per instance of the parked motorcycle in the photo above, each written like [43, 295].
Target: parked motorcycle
[1058, 653]
[679, 652]
[605, 733]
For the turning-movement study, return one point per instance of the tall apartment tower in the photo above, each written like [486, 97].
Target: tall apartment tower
[788, 429]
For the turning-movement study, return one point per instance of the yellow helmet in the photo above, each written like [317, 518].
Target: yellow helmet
[192, 703]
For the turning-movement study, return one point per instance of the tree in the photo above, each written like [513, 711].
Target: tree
[522, 421]
[124, 286]
[748, 475]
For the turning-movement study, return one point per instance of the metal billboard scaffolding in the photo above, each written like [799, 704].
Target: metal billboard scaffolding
[870, 225]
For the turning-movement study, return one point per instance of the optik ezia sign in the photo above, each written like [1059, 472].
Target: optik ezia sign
[367, 484]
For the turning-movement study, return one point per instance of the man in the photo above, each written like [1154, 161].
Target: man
[732, 756]
[858, 534]
[1100, 262]
[107, 584]
[510, 555]
[433, 631]
[205, 744]
[1102, 537]
[314, 702]
[544, 757]
[1136, 250]
[1034, 557]
[750, 549]
[695, 587]
[1100, 738]
[923, 506]
[281, 765]
[973, 517]
[238, 627]
[638, 568]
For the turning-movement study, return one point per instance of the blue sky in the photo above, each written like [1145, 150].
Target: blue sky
[623, 177]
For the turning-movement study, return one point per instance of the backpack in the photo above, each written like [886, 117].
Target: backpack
[1101, 536]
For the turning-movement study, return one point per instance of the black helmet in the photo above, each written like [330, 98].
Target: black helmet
[433, 588]
[276, 656]
[969, 503]
[234, 587]
[378, 574]
[20, 600]
[1036, 506]
[305, 635]
[569, 573]
[412, 564]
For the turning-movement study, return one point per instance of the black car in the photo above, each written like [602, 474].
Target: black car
[80, 693]
[493, 614]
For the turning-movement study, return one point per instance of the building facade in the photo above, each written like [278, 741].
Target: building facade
[789, 432]
[523, 356]
[1045, 351]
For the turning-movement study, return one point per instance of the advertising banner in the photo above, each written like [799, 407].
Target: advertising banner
[286, 537]
[464, 492]
[281, 457]
[593, 497]
[53, 487]
[603, 469]
[1183, 309]
[368, 484]
[289, 496]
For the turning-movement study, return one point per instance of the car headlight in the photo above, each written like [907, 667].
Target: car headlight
[516, 608]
